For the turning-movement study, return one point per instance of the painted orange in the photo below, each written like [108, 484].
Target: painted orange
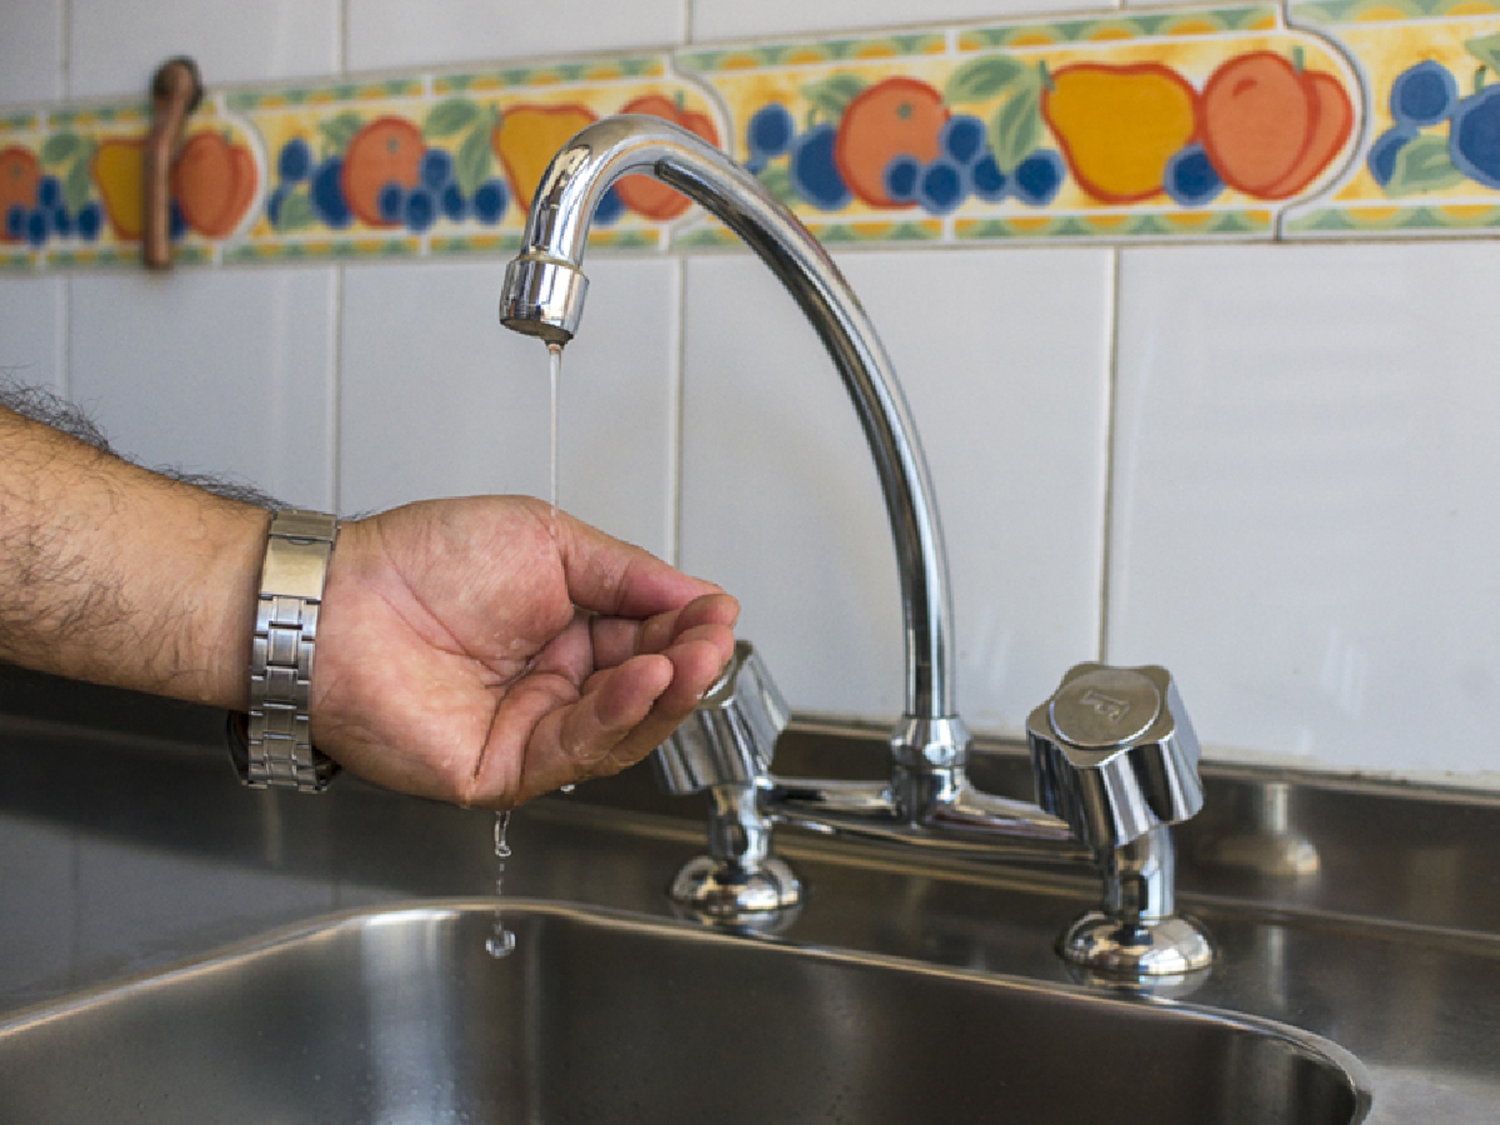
[245, 185]
[1260, 121]
[119, 170]
[649, 197]
[527, 137]
[1333, 121]
[213, 182]
[20, 173]
[895, 117]
[1118, 126]
[386, 151]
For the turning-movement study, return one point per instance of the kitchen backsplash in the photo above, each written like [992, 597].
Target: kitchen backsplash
[1190, 304]
[1323, 120]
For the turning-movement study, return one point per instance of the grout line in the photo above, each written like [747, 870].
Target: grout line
[676, 472]
[336, 395]
[65, 343]
[65, 48]
[1106, 553]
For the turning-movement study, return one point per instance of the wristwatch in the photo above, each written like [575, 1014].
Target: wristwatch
[278, 749]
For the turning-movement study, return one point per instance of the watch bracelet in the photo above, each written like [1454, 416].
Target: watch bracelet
[279, 750]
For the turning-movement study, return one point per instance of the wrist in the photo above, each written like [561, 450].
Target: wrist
[226, 623]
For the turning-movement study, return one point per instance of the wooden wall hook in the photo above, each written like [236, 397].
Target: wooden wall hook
[176, 90]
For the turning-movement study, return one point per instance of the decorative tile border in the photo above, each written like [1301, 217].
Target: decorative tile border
[1082, 128]
[1376, 117]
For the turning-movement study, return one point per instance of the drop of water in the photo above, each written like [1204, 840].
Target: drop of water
[502, 825]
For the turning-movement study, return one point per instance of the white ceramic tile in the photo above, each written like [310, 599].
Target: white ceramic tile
[1305, 522]
[32, 331]
[780, 502]
[390, 33]
[216, 371]
[439, 399]
[1004, 357]
[31, 51]
[116, 45]
[734, 19]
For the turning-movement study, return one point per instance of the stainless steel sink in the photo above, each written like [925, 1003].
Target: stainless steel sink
[400, 1016]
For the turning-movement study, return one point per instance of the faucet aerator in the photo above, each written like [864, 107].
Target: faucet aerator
[543, 297]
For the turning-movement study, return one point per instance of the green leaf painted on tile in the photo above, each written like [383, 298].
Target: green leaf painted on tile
[78, 185]
[472, 165]
[830, 97]
[1016, 127]
[1487, 50]
[62, 146]
[983, 79]
[1423, 164]
[296, 213]
[777, 179]
[339, 131]
[450, 117]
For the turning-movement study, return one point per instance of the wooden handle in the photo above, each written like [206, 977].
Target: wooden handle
[176, 90]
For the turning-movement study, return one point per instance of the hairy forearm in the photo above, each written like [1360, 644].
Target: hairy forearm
[114, 574]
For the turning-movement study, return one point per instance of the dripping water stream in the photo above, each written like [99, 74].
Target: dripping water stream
[502, 942]
[554, 377]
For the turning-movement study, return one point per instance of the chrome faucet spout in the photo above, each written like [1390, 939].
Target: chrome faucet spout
[544, 294]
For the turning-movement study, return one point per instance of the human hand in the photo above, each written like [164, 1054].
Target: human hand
[483, 651]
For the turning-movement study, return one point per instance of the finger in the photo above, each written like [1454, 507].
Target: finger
[625, 713]
[720, 637]
[571, 742]
[611, 577]
[696, 665]
[616, 639]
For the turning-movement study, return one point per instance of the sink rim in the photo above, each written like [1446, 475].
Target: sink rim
[1316, 1047]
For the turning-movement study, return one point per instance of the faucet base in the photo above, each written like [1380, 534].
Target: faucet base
[1153, 947]
[719, 890]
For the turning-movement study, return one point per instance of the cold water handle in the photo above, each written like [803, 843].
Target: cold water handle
[1116, 757]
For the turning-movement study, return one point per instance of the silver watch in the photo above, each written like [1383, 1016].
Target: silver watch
[280, 753]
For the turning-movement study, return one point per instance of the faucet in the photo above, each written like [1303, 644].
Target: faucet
[1113, 752]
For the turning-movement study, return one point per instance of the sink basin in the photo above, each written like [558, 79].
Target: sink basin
[400, 1016]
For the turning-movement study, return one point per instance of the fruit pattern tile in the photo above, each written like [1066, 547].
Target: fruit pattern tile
[1194, 124]
[1431, 160]
[1256, 122]
[450, 163]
